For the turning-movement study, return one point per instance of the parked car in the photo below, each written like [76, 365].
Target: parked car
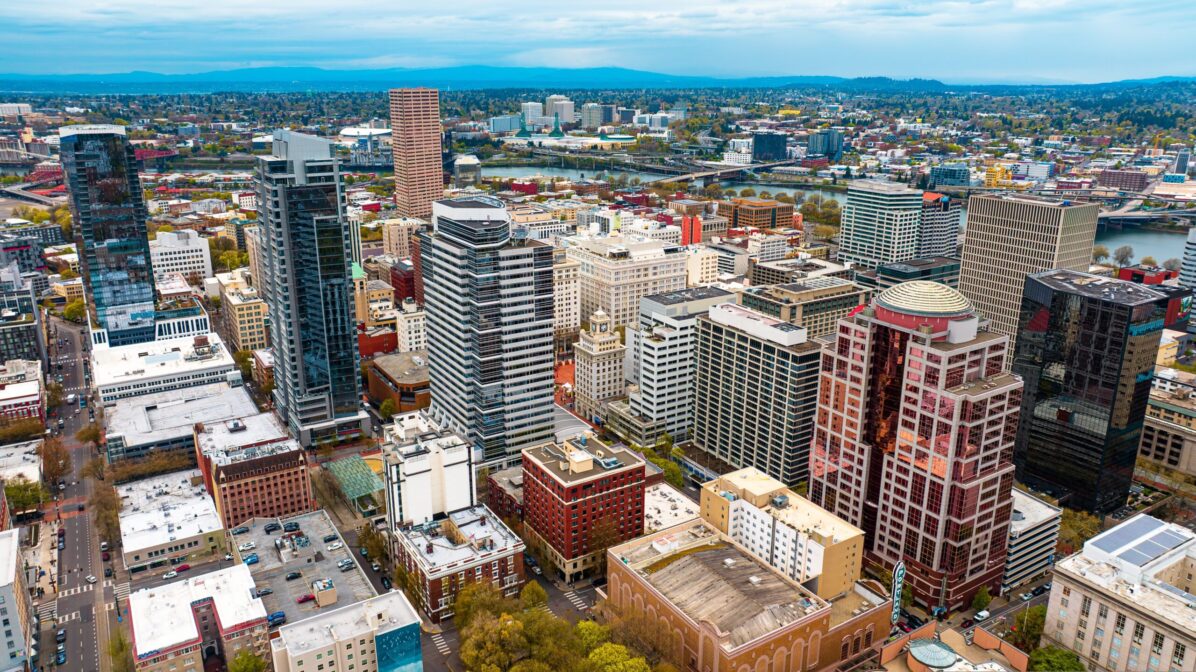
[247, 546]
[107, 572]
[375, 566]
[240, 530]
[328, 539]
[103, 545]
[228, 556]
[291, 527]
[60, 659]
[277, 618]
[364, 553]
[170, 575]
[980, 616]
[1039, 591]
[271, 528]
[1026, 597]
[386, 582]
[265, 591]
[61, 543]
[250, 559]
[182, 568]
[62, 531]
[305, 598]
[335, 547]
[60, 637]
[91, 579]
[106, 556]
[294, 575]
[967, 624]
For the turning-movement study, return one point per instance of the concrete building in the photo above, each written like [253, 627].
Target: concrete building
[881, 223]
[246, 315]
[401, 377]
[489, 300]
[429, 471]
[306, 281]
[455, 549]
[416, 145]
[661, 364]
[942, 220]
[756, 213]
[755, 391]
[787, 531]
[729, 610]
[22, 334]
[566, 301]
[1086, 349]
[950, 175]
[180, 625]
[826, 142]
[913, 440]
[1033, 534]
[181, 251]
[133, 370]
[252, 469]
[816, 304]
[167, 520]
[397, 235]
[932, 269]
[137, 426]
[20, 629]
[22, 390]
[793, 270]
[598, 376]
[1187, 271]
[579, 498]
[411, 327]
[1169, 431]
[617, 271]
[1011, 236]
[701, 266]
[381, 634]
[1124, 603]
[1134, 181]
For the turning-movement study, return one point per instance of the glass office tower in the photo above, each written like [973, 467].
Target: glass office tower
[100, 171]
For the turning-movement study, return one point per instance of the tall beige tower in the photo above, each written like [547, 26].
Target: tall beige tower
[1010, 236]
[415, 143]
[599, 373]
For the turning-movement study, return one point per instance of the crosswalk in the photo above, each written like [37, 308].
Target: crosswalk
[67, 618]
[122, 590]
[47, 611]
[576, 601]
[87, 587]
[441, 645]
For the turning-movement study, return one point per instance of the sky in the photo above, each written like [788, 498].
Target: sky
[950, 40]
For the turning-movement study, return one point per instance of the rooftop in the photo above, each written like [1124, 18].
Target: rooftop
[404, 367]
[376, 615]
[244, 437]
[21, 459]
[161, 416]
[163, 617]
[165, 508]
[794, 510]
[582, 458]
[664, 507]
[1030, 511]
[459, 539]
[687, 295]
[922, 297]
[10, 555]
[175, 356]
[922, 263]
[758, 324]
[883, 187]
[1099, 287]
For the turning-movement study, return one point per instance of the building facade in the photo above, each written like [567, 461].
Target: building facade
[398, 233]
[566, 302]
[881, 223]
[615, 272]
[429, 471]
[942, 218]
[816, 304]
[489, 303]
[21, 628]
[598, 376]
[913, 440]
[755, 392]
[1169, 431]
[1087, 353]
[381, 634]
[419, 173]
[182, 252]
[1012, 236]
[1033, 534]
[307, 284]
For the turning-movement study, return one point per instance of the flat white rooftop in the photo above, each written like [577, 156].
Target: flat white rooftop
[165, 508]
[125, 364]
[161, 416]
[163, 618]
[479, 527]
[244, 437]
[384, 613]
[665, 506]
[10, 555]
[1033, 511]
[21, 459]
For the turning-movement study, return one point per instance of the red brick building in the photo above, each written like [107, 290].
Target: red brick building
[580, 498]
[402, 278]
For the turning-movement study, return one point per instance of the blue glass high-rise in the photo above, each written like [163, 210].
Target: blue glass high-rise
[100, 170]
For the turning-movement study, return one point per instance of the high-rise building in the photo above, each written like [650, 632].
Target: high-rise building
[950, 175]
[566, 299]
[22, 335]
[559, 108]
[913, 440]
[769, 146]
[488, 295]
[19, 642]
[825, 142]
[617, 271]
[1182, 158]
[660, 362]
[100, 170]
[1033, 537]
[815, 304]
[429, 471]
[1086, 350]
[182, 251]
[591, 115]
[759, 213]
[397, 235]
[1187, 269]
[1123, 180]
[1010, 236]
[532, 112]
[415, 129]
[880, 224]
[598, 376]
[755, 392]
[942, 217]
[934, 269]
[307, 284]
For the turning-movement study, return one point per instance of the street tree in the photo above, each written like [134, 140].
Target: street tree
[24, 494]
[56, 460]
[105, 506]
[1123, 255]
[1027, 627]
[246, 661]
[532, 596]
[94, 468]
[1099, 253]
[981, 599]
[120, 652]
[387, 409]
[75, 311]
[90, 433]
[1055, 659]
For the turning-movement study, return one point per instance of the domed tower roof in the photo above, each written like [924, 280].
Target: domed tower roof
[925, 298]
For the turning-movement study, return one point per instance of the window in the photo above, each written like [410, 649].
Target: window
[1178, 653]
[1139, 631]
[1119, 624]
[1156, 646]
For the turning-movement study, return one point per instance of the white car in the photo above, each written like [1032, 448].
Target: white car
[91, 579]
[247, 546]
[228, 556]
[170, 575]
[335, 547]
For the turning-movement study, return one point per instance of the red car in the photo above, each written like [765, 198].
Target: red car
[305, 598]
[182, 568]
[106, 556]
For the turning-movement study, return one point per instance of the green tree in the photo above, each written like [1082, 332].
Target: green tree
[373, 542]
[1075, 528]
[75, 311]
[981, 599]
[120, 652]
[1123, 255]
[27, 429]
[1055, 659]
[480, 598]
[532, 596]
[56, 460]
[493, 643]
[591, 635]
[53, 395]
[387, 409]
[1027, 627]
[1148, 261]
[105, 507]
[247, 662]
[1099, 253]
[244, 361]
[24, 494]
[747, 193]
[94, 468]
[825, 231]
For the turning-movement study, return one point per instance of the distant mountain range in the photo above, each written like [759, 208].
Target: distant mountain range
[287, 79]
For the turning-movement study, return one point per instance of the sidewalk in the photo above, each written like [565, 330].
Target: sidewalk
[44, 556]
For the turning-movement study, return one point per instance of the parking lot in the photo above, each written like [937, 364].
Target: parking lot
[281, 553]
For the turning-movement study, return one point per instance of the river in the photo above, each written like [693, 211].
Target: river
[1161, 245]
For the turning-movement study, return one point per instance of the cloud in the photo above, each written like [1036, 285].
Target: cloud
[564, 57]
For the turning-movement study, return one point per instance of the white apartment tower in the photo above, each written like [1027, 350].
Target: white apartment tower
[880, 223]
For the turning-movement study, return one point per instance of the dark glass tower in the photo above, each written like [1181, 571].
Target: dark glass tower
[1086, 349]
[105, 193]
[307, 284]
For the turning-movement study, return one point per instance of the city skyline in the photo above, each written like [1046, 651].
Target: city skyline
[756, 38]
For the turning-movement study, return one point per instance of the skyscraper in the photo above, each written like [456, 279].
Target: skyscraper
[825, 142]
[415, 132]
[307, 284]
[1187, 269]
[942, 217]
[1086, 350]
[1010, 236]
[598, 376]
[489, 303]
[880, 223]
[100, 171]
[913, 441]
